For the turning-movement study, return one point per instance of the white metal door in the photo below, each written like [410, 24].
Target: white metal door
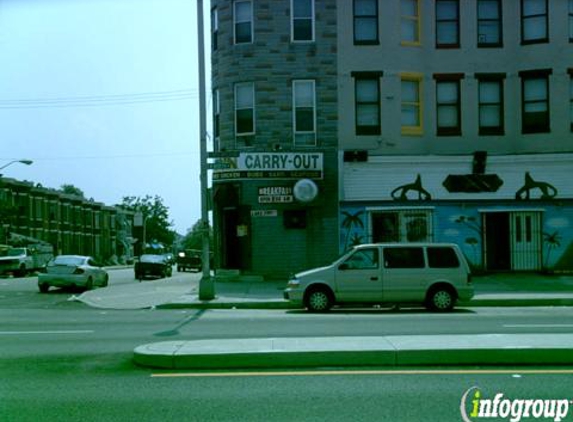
[526, 240]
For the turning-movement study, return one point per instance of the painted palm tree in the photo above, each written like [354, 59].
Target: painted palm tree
[349, 222]
[553, 241]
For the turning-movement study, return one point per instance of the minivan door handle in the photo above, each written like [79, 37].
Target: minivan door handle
[374, 278]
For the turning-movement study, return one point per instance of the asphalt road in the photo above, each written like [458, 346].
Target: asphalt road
[63, 361]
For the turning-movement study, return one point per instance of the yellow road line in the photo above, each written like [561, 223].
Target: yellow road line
[366, 372]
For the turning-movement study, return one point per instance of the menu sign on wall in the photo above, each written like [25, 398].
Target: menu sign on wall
[276, 195]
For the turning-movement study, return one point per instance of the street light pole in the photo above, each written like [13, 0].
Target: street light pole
[206, 284]
[27, 162]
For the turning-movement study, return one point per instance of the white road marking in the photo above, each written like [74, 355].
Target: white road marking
[538, 325]
[15, 333]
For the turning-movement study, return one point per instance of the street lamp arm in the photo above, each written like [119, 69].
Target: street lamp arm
[27, 162]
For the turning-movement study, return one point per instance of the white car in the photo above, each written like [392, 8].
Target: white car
[72, 271]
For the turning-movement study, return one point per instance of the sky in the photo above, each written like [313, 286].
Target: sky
[103, 95]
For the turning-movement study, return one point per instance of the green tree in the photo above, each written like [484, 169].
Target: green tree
[69, 189]
[155, 217]
[194, 237]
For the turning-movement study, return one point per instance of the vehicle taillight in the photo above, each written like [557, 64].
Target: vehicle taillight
[79, 271]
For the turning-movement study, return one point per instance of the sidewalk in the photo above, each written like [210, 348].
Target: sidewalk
[181, 291]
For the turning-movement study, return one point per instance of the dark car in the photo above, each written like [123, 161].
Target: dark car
[189, 259]
[152, 265]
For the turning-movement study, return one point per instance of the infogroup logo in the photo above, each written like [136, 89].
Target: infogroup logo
[474, 406]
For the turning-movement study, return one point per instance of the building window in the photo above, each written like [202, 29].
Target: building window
[489, 23]
[365, 22]
[490, 103]
[535, 101]
[570, 20]
[245, 109]
[410, 22]
[243, 21]
[571, 99]
[407, 225]
[304, 112]
[367, 97]
[534, 24]
[448, 108]
[411, 89]
[214, 28]
[216, 118]
[447, 24]
[302, 25]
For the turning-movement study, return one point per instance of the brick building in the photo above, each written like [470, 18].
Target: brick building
[71, 224]
[433, 120]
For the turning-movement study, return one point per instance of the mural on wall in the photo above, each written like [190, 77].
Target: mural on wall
[548, 191]
[473, 241]
[352, 228]
[401, 192]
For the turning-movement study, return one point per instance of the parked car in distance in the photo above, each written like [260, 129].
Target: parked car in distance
[152, 265]
[169, 257]
[72, 271]
[190, 259]
[432, 274]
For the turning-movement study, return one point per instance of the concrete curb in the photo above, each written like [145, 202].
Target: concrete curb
[485, 301]
[485, 349]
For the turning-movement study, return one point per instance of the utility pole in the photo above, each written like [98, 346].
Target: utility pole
[206, 284]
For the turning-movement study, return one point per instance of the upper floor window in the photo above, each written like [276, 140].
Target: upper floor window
[245, 109]
[534, 21]
[448, 107]
[489, 23]
[216, 116]
[214, 28]
[490, 98]
[302, 25]
[410, 21]
[570, 20]
[447, 24]
[571, 99]
[535, 101]
[304, 112]
[367, 107]
[365, 21]
[243, 21]
[411, 89]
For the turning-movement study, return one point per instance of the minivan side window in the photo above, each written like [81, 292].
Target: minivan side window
[363, 259]
[442, 257]
[409, 257]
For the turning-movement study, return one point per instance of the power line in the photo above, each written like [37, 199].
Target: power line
[100, 100]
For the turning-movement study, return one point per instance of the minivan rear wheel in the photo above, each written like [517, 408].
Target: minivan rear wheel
[319, 300]
[441, 299]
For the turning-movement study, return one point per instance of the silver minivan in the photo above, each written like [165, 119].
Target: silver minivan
[432, 274]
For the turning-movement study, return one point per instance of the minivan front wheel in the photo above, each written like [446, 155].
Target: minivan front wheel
[441, 299]
[319, 300]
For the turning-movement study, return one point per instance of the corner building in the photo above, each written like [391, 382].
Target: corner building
[275, 119]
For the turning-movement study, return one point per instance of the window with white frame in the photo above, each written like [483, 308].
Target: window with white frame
[489, 23]
[448, 105]
[245, 109]
[302, 22]
[216, 118]
[408, 225]
[535, 101]
[304, 112]
[365, 22]
[243, 15]
[534, 21]
[367, 103]
[214, 29]
[411, 117]
[410, 21]
[490, 104]
[447, 24]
